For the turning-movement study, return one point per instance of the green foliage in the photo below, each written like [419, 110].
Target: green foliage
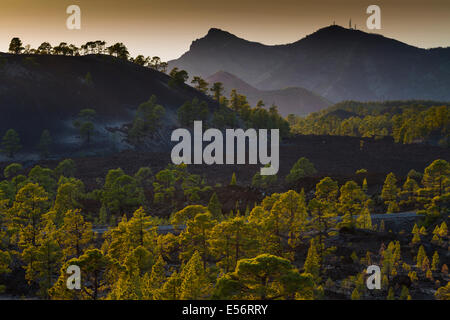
[12, 170]
[147, 120]
[84, 123]
[44, 144]
[405, 121]
[120, 193]
[195, 283]
[193, 111]
[390, 193]
[15, 46]
[200, 84]
[217, 90]
[264, 277]
[352, 201]
[11, 143]
[302, 168]
[214, 206]
[177, 77]
[233, 181]
[119, 50]
[263, 181]
[66, 168]
[232, 240]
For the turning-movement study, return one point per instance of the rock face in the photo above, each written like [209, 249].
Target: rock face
[40, 92]
[334, 62]
[293, 100]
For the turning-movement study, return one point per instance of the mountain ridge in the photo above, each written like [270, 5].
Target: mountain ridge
[290, 100]
[335, 62]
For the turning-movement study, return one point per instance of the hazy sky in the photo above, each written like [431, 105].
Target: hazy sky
[167, 27]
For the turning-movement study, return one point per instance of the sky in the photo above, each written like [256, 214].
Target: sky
[166, 28]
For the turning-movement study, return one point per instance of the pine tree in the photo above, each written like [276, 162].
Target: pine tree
[48, 260]
[416, 234]
[76, 234]
[157, 276]
[11, 143]
[423, 231]
[233, 180]
[425, 264]
[171, 289]
[352, 201]
[312, 262]
[265, 277]
[421, 254]
[409, 191]
[443, 230]
[196, 236]
[355, 295]
[214, 206]
[365, 187]
[232, 240]
[364, 220]
[404, 295]
[95, 268]
[195, 284]
[390, 192]
[435, 261]
[391, 294]
[44, 144]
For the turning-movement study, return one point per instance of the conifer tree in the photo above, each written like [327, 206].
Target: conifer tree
[11, 143]
[265, 277]
[232, 240]
[171, 290]
[443, 293]
[312, 262]
[44, 144]
[157, 276]
[404, 295]
[443, 231]
[421, 254]
[416, 234]
[390, 192]
[365, 187]
[351, 202]
[355, 295]
[435, 261]
[409, 191]
[95, 270]
[214, 206]
[76, 234]
[195, 284]
[364, 220]
[47, 262]
[425, 263]
[196, 236]
[391, 294]
[5, 262]
[233, 179]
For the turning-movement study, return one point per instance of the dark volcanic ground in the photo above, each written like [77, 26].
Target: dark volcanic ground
[338, 157]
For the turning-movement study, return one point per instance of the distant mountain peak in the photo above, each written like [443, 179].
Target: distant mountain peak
[219, 33]
[336, 62]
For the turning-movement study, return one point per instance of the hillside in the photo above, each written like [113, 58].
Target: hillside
[47, 92]
[292, 100]
[413, 121]
[334, 62]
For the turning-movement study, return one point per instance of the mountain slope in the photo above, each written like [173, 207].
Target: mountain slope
[336, 63]
[293, 100]
[47, 92]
